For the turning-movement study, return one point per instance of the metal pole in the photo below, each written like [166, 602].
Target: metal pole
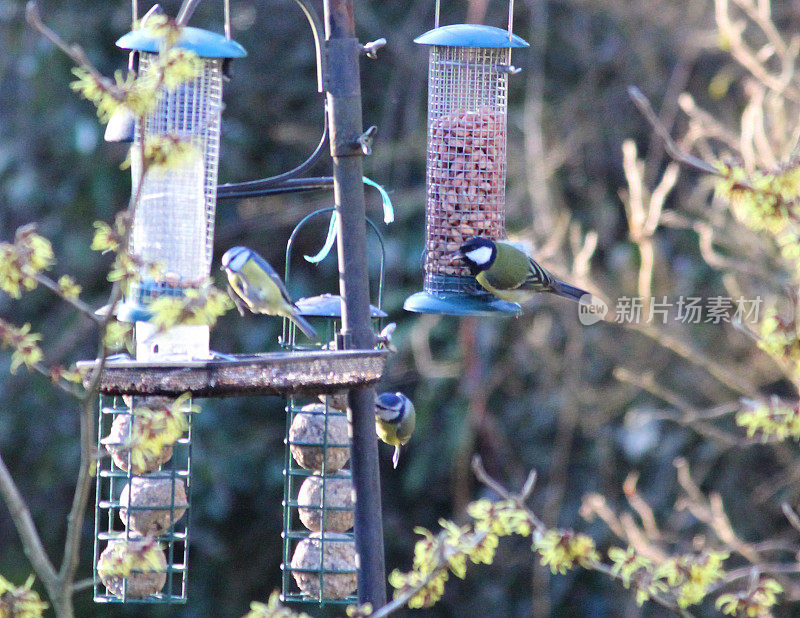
[343, 90]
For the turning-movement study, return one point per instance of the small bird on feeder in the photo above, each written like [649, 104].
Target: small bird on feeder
[509, 273]
[252, 281]
[395, 419]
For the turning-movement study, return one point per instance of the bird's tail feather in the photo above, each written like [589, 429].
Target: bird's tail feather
[568, 291]
[304, 326]
[396, 456]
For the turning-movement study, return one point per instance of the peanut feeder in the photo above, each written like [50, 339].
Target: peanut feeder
[469, 67]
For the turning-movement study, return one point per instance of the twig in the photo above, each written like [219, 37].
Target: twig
[790, 514]
[400, 600]
[75, 52]
[736, 383]
[747, 58]
[745, 572]
[595, 504]
[83, 584]
[640, 506]
[422, 354]
[441, 565]
[75, 302]
[706, 123]
[711, 512]
[669, 144]
[28, 534]
[606, 570]
[519, 500]
[689, 416]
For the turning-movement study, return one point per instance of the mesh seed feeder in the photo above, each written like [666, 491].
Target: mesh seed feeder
[468, 74]
[174, 222]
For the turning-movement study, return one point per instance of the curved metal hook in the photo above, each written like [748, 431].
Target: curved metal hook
[318, 31]
[321, 211]
[252, 188]
[263, 186]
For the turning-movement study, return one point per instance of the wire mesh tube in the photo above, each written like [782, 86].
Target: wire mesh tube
[174, 223]
[319, 559]
[466, 167]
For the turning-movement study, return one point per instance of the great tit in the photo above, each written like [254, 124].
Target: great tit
[253, 281]
[395, 419]
[509, 273]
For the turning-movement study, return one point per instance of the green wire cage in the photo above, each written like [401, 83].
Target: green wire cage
[143, 495]
[319, 558]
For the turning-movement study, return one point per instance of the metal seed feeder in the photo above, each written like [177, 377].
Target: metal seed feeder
[174, 221]
[469, 67]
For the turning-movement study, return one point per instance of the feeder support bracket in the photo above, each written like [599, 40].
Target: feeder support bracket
[365, 140]
[370, 50]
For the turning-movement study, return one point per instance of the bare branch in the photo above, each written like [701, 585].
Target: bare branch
[791, 515]
[75, 302]
[669, 145]
[640, 506]
[28, 534]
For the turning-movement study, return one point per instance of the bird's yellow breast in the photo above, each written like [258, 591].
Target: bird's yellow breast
[513, 295]
[387, 432]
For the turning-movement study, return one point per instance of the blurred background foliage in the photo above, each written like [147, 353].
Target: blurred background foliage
[540, 391]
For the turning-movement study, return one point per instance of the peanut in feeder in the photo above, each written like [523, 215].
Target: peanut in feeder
[468, 74]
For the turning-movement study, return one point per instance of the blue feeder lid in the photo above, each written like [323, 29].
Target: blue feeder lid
[470, 35]
[204, 43]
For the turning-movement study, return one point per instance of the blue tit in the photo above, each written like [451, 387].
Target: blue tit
[252, 281]
[509, 273]
[395, 419]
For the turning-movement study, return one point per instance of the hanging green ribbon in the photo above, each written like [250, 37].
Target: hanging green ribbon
[388, 217]
[388, 209]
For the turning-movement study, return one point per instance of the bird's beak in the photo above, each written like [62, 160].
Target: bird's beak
[456, 256]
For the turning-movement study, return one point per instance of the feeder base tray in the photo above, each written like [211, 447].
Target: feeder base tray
[277, 373]
[460, 304]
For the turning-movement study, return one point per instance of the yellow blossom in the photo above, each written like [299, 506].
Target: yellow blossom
[197, 306]
[563, 550]
[20, 601]
[272, 609]
[755, 603]
[69, 287]
[22, 261]
[24, 343]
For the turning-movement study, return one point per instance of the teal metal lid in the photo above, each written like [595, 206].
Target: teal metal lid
[204, 43]
[470, 35]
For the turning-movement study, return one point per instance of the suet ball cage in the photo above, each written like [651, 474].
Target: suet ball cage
[142, 502]
[319, 559]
